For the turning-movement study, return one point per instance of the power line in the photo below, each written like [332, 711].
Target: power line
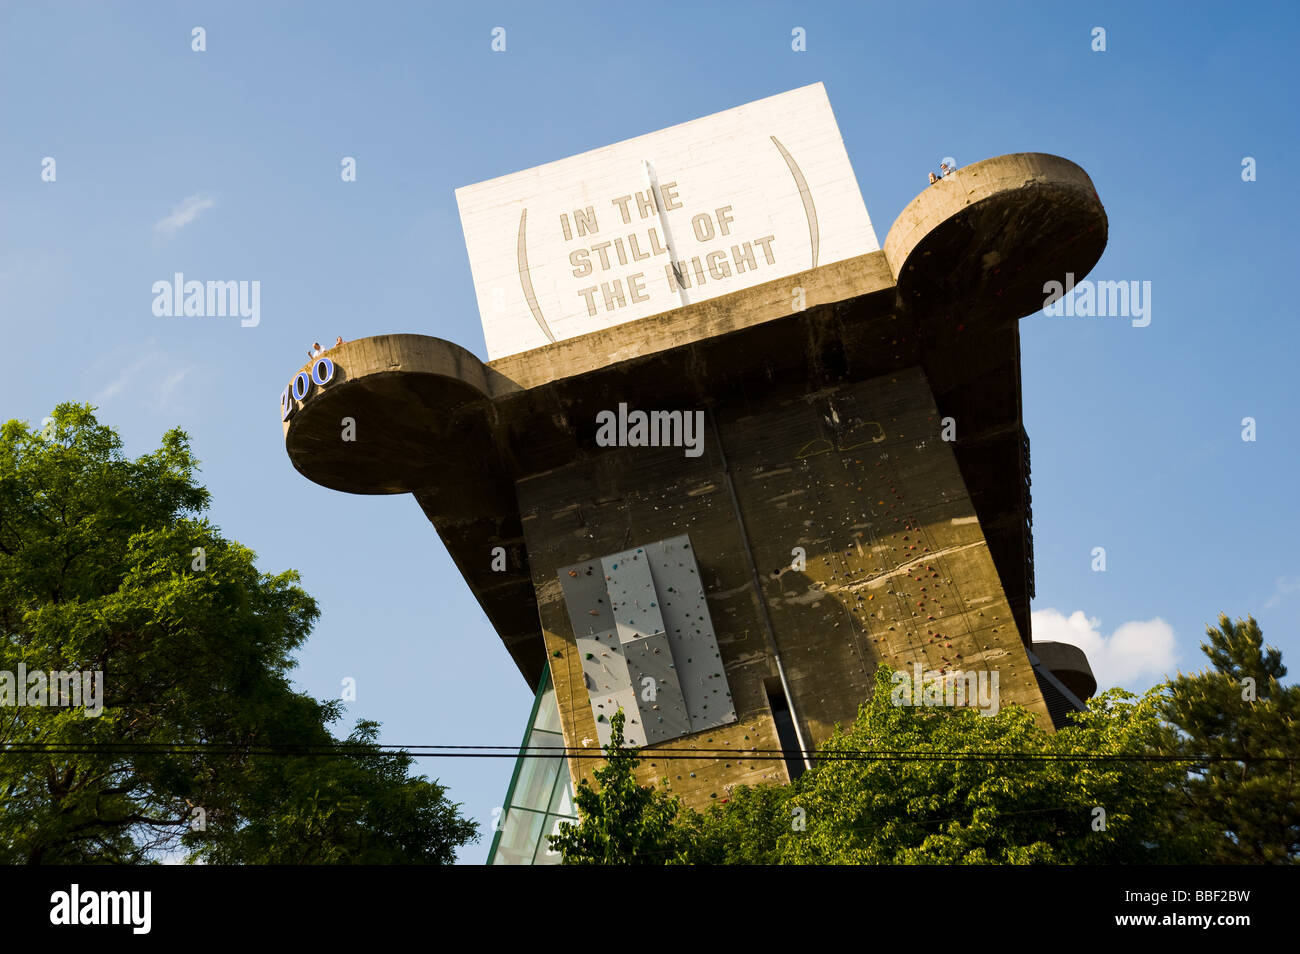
[361, 750]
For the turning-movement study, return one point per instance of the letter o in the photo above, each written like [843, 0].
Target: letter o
[703, 227]
[329, 371]
[302, 379]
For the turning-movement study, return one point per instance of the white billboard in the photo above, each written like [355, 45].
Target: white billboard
[650, 224]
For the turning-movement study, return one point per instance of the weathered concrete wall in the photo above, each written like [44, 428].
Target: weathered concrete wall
[697, 322]
[897, 568]
[621, 497]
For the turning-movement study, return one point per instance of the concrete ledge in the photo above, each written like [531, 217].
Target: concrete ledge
[418, 406]
[827, 284]
[977, 247]
[1069, 664]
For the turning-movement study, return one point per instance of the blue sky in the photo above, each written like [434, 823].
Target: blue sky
[1136, 431]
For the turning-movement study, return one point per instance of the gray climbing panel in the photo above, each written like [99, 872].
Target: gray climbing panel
[646, 642]
[604, 667]
[685, 611]
[658, 696]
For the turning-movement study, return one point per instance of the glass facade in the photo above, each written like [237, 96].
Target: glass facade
[540, 795]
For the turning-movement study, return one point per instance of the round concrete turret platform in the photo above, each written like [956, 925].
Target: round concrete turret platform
[1069, 664]
[977, 247]
[417, 405]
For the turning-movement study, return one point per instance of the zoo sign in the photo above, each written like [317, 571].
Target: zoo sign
[321, 373]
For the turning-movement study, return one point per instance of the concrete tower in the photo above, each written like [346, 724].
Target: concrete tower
[723, 503]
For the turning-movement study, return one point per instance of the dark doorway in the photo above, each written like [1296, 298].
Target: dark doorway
[781, 715]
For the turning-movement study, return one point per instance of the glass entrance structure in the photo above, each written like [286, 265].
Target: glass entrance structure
[540, 795]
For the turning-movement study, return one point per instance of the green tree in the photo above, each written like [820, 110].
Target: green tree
[622, 822]
[1240, 715]
[358, 809]
[951, 786]
[744, 830]
[107, 565]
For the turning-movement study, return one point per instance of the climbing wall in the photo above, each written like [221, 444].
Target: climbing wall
[867, 549]
[604, 667]
[895, 568]
[689, 628]
[576, 517]
[647, 642]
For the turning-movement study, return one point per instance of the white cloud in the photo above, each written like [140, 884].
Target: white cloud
[123, 378]
[185, 213]
[1136, 655]
[1281, 591]
[153, 378]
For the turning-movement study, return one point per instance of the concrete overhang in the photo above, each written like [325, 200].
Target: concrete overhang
[1070, 665]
